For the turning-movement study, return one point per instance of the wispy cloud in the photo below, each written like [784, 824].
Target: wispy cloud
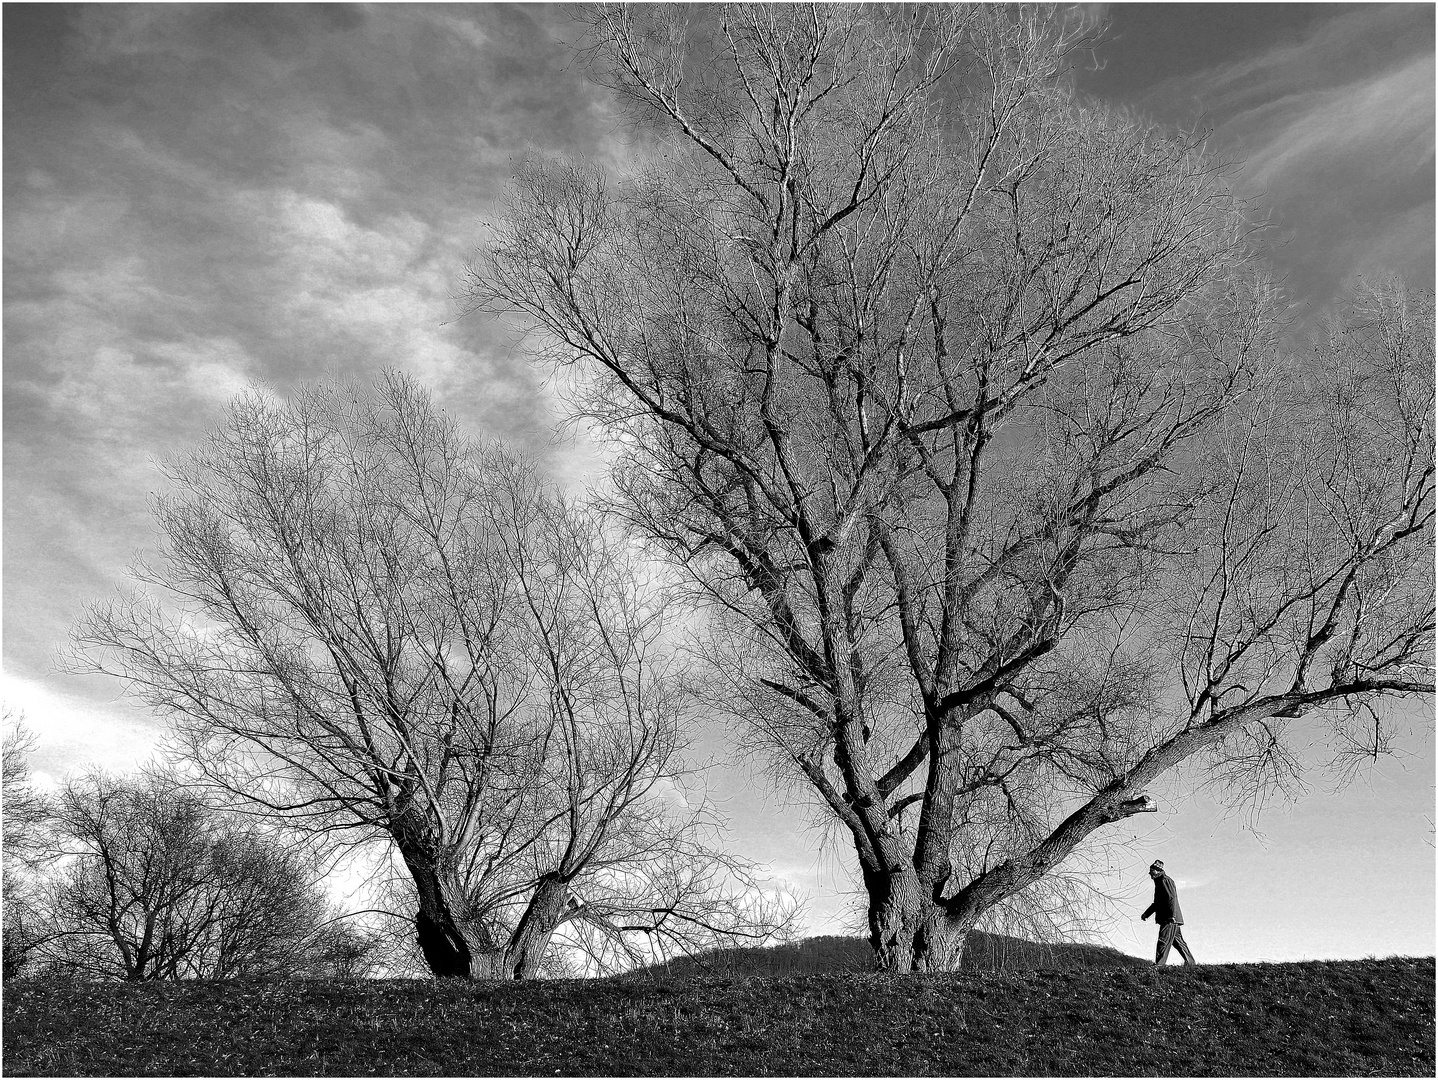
[1387, 117]
[1334, 131]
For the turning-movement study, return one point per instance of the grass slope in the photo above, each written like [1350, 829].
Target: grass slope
[1342, 1018]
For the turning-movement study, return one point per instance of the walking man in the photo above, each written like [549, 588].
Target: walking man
[1166, 913]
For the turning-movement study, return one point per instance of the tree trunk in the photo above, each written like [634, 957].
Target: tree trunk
[939, 944]
[531, 937]
[445, 950]
[908, 929]
[896, 912]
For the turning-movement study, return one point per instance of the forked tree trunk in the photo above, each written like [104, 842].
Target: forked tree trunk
[458, 947]
[908, 930]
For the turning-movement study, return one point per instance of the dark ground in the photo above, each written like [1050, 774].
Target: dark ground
[1368, 1017]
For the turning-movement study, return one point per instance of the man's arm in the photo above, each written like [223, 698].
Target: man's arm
[1148, 910]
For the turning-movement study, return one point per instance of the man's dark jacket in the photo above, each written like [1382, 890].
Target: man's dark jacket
[1165, 902]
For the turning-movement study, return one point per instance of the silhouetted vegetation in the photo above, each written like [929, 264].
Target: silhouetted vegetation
[25, 823]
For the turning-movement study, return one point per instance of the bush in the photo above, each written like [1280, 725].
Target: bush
[159, 885]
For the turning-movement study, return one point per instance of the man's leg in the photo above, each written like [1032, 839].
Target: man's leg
[1165, 942]
[1182, 945]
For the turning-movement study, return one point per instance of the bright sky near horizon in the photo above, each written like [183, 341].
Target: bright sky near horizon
[199, 197]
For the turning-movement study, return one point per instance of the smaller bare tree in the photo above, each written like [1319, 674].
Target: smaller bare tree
[26, 815]
[158, 885]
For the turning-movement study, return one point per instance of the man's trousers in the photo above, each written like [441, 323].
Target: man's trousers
[1170, 934]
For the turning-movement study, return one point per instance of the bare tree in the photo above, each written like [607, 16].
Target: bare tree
[380, 631]
[157, 885]
[26, 815]
[941, 384]
[26, 811]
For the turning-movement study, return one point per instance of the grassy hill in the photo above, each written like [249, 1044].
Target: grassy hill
[831, 955]
[1369, 1017]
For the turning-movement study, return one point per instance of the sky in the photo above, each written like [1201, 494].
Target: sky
[202, 198]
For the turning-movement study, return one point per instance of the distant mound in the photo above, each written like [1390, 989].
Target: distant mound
[832, 954]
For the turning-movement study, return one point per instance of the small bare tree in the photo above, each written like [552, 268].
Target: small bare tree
[157, 885]
[26, 814]
[380, 631]
[942, 384]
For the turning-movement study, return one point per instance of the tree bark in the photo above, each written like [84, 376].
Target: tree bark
[445, 951]
[531, 937]
[895, 915]
[939, 944]
[909, 930]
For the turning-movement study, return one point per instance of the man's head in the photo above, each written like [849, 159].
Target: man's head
[1156, 870]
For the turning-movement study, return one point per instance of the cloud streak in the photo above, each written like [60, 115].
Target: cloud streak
[1334, 131]
[1381, 115]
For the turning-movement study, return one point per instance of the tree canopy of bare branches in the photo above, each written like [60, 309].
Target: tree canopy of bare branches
[376, 629]
[961, 401]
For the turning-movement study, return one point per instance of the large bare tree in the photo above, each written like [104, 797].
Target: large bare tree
[373, 628]
[961, 401]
